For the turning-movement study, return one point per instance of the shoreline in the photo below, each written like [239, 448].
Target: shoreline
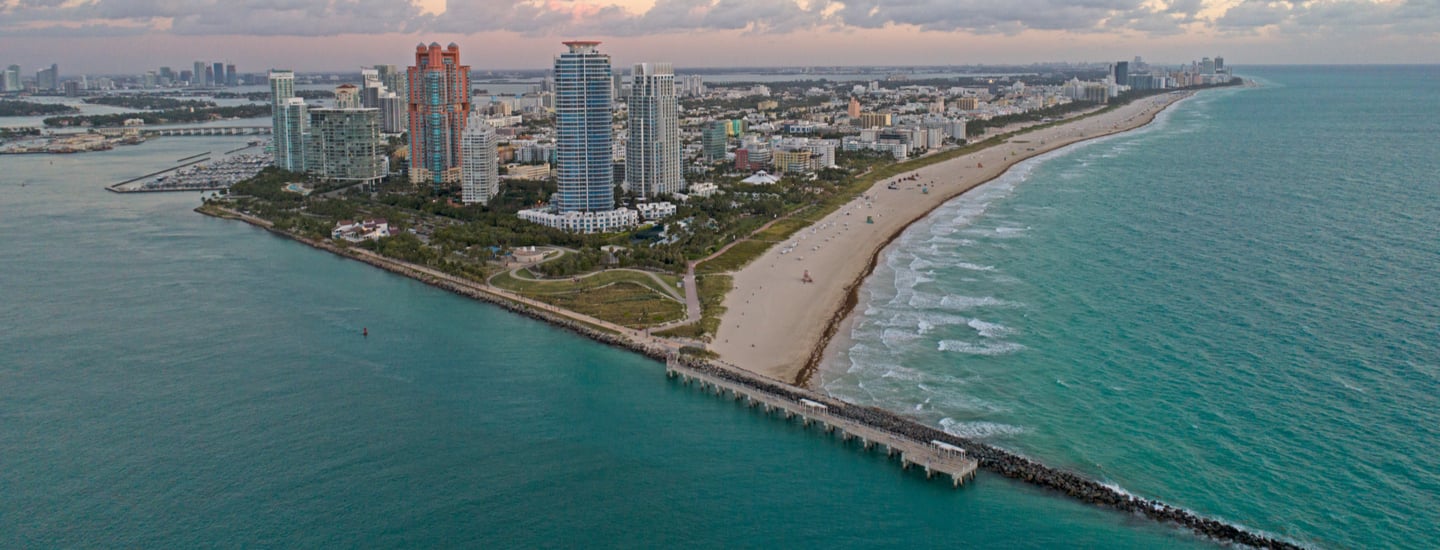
[594, 329]
[828, 348]
[797, 315]
[996, 460]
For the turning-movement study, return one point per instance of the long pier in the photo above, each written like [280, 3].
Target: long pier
[938, 451]
[936, 457]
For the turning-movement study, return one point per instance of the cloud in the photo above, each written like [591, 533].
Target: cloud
[1314, 17]
[1252, 15]
[211, 17]
[560, 17]
[71, 18]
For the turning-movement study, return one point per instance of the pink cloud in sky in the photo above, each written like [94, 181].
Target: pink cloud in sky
[341, 34]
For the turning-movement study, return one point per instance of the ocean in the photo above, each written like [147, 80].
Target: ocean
[1233, 310]
[169, 380]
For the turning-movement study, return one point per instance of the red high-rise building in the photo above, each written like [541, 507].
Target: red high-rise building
[439, 104]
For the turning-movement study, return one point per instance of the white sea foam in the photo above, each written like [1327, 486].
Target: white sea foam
[970, 348]
[897, 372]
[962, 303]
[978, 429]
[990, 330]
[973, 267]
[894, 338]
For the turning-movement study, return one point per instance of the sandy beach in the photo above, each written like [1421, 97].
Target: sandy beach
[777, 324]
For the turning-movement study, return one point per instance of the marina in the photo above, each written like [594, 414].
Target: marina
[203, 174]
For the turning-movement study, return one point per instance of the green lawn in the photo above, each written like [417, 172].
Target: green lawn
[622, 303]
[627, 298]
[742, 253]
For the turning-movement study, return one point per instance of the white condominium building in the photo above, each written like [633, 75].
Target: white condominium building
[653, 153]
[480, 167]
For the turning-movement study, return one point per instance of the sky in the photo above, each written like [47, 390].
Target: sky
[127, 36]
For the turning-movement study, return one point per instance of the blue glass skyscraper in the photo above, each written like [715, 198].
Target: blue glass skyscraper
[582, 130]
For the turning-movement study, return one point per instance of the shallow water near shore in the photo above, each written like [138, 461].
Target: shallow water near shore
[173, 380]
[1233, 310]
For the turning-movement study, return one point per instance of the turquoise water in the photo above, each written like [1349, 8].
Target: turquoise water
[1235, 310]
[171, 380]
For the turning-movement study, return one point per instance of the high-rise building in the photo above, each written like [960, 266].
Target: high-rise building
[186, 76]
[439, 96]
[347, 96]
[1122, 73]
[344, 145]
[232, 79]
[392, 78]
[393, 119]
[1207, 66]
[48, 79]
[692, 86]
[582, 130]
[219, 70]
[714, 140]
[480, 174]
[854, 108]
[12, 79]
[1219, 64]
[197, 78]
[874, 120]
[652, 155]
[395, 82]
[370, 88]
[288, 119]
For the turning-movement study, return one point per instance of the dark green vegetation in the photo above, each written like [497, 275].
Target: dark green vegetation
[168, 116]
[467, 240]
[15, 107]
[6, 133]
[148, 102]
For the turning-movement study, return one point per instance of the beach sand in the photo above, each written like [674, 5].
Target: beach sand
[776, 324]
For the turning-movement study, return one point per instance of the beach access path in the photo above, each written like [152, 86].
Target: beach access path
[778, 325]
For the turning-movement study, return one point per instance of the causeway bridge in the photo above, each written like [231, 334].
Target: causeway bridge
[936, 457]
[208, 131]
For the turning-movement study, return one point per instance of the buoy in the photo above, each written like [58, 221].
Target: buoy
[365, 332]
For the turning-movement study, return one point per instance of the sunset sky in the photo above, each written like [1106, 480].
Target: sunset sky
[122, 36]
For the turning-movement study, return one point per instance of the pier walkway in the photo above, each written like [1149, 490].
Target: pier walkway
[936, 457]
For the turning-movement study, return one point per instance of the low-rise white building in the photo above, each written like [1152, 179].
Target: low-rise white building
[703, 190]
[367, 230]
[584, 222]
[651, 211]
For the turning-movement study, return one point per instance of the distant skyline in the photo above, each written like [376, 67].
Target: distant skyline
[129, 36]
